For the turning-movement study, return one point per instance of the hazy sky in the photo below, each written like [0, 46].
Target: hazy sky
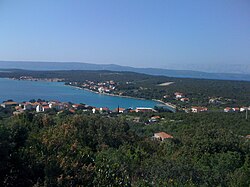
[141, 33]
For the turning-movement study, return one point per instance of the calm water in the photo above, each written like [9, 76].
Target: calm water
[26, 90]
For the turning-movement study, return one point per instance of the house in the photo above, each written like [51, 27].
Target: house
[179, 95]
[39, 108]
[162, 136]
[60, 106]
[27, 106]
[184, 99]
[214, 101]
[72, 110]
[144, 109]
[9, 104]
[94, 110]
[100, 89]
[243, 109]
[106, 90]
[104, 109]
[248, 136]
[227, 109]
[34, 105]
[166, 96]
[65, 105]
[43, 103]
[45, 108]
[53, 105]
[18, 108]
[196, 109]
[77, 106]
[236, 109]
[101, 110]
[57, 105]
[156, 117]
[131, 111]
[120, 110]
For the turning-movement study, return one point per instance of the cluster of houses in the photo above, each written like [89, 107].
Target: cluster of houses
[43, 106]
[196, 109]
[30, 78]
[212, 100]
[215, 100]
[236, 109]
[181, 97]
[101, 87]
[123, 110]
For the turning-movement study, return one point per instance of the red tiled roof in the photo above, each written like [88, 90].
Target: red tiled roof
[156, 117]
[120, 109]
[10, 103]
[163, 135]
[72, 111]
[105, 108]
[236, 108]
[199, 108]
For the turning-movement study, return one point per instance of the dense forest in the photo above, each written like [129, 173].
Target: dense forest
[232, 93]
[208, 149]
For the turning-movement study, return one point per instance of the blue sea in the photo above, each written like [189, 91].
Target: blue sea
[26, 90]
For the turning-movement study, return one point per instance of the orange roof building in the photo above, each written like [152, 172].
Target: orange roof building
[197, 109]
[162, 136]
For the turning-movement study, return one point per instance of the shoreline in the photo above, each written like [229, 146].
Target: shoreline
[167, 104]
[171, 106]
[113, 95]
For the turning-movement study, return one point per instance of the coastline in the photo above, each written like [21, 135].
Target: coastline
[169, 105]
[114, 95]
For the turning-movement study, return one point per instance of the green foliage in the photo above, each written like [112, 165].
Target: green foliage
[93, 150]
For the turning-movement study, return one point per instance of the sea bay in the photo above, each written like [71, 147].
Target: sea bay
[26, 90]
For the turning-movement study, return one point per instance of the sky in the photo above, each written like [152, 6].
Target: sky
[139, 33]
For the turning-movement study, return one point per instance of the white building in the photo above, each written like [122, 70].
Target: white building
[39, 108]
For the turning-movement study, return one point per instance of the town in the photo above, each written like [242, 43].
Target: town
[100, 87]
[178, 101]
[30, 78]
[108, 87]
[39, 106]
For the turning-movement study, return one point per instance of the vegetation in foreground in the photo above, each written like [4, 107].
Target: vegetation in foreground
[208, 149]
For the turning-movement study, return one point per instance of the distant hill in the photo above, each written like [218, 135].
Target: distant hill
[112, 67]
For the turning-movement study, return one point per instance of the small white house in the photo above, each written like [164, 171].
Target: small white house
[243, 109]
[39, 108]
[179, 95]
[144, 109]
